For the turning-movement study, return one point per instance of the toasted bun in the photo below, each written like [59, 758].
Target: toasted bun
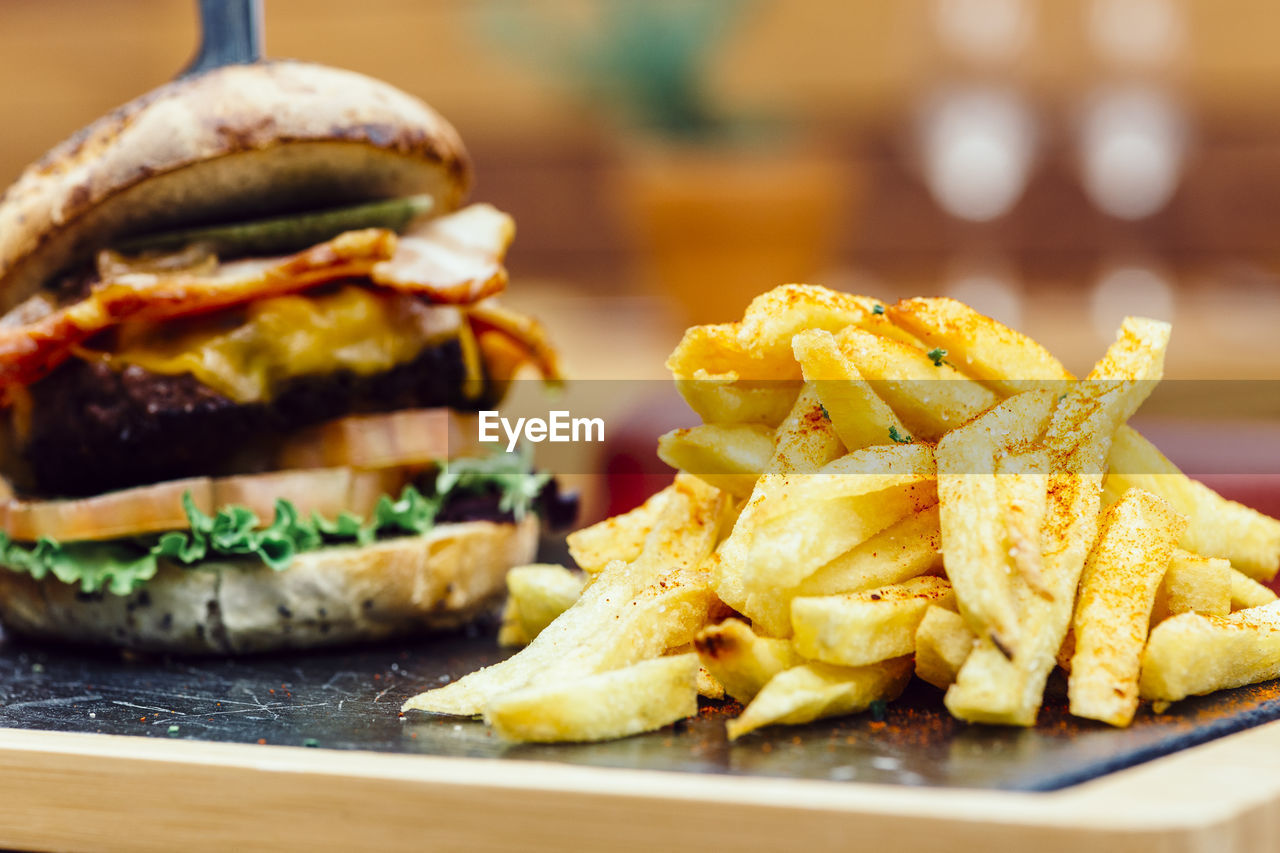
[237, 141]
[334, 596]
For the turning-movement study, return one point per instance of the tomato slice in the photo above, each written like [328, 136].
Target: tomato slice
[145, 509]
[158, 508]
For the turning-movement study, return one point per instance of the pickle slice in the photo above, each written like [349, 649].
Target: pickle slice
[280, 234]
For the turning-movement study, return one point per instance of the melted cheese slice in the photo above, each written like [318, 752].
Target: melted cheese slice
[248, 355]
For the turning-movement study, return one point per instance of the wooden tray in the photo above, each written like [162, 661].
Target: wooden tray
[90, 760]
[65, 790]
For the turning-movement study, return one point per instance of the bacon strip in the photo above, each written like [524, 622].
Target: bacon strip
[455, 259]
[29, 352]
[490, 318]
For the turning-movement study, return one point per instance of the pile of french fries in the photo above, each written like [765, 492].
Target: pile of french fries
[882, 491]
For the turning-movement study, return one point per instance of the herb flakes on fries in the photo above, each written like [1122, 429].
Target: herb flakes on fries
[878, 492]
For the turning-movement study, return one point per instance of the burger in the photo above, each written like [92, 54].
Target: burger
[246, 325]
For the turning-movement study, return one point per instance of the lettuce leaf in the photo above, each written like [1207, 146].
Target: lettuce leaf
[122, 566]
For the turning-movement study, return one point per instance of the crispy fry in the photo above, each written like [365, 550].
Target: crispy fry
[1218, 528]
[975, 527]
[536, 595]
[1005, 361]
[742, 660]
[1008, 362]
[619, 538]
[930, 398]
[795, 524]
[904, 550]
[1247, 592]
[863, 628]
[810, 692]
[1192, 654]
[1022, 485]
[1117, 589]
[990, 687]
[859, 417]
[1193, 584]
[943, 643]
[637, 698]
[727, 401]
[633, 611]
[730, 457]
[759, 346]
[805, 440]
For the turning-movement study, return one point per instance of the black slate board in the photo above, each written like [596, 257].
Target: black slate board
[350, 700]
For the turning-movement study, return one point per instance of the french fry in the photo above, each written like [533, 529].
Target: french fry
[1117, 589]
[805, 440]
[862, 472]
[813, 691]
[1022, 487]
[619, 538]
[637, 698]
[1247, 592]
[1192, 654]
[1193, 584]
[979, 555]
[863, 628]
[860, 418]
[930, 396]
[725, 400]
[708, 685]
[904, 550]
[1218, 527]
[943, 643]
[633, 611]
[759, 346]
[795, 524]
[728, 456]
[1008, 362]
[740, 659]
[536, 595]
[990, 687]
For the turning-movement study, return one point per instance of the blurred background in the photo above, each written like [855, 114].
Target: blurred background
[1055, 163]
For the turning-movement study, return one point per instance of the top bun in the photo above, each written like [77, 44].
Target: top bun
[242, 141]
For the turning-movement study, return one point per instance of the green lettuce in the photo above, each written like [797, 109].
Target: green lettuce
[122, 566]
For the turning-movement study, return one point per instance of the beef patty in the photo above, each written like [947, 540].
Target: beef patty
[94, 429]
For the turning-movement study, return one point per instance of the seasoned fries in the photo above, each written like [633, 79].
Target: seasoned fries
[943, 644]
[637, 698]
[1193, 654]
[740, 659]
[866, 627]
[1196, 585]
[536, 595]
[878, 491]
[1113, 608]
[730, 457]
[812, 691]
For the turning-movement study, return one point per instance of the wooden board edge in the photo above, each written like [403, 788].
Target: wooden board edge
[80, 791]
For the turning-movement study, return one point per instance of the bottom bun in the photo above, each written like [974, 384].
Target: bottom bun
[343, 594]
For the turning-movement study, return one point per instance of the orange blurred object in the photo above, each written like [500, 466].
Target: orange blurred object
[717, 226]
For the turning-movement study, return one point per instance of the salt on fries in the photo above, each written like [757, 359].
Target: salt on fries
[881, 491]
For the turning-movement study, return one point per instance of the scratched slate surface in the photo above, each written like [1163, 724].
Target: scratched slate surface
[350, 700]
